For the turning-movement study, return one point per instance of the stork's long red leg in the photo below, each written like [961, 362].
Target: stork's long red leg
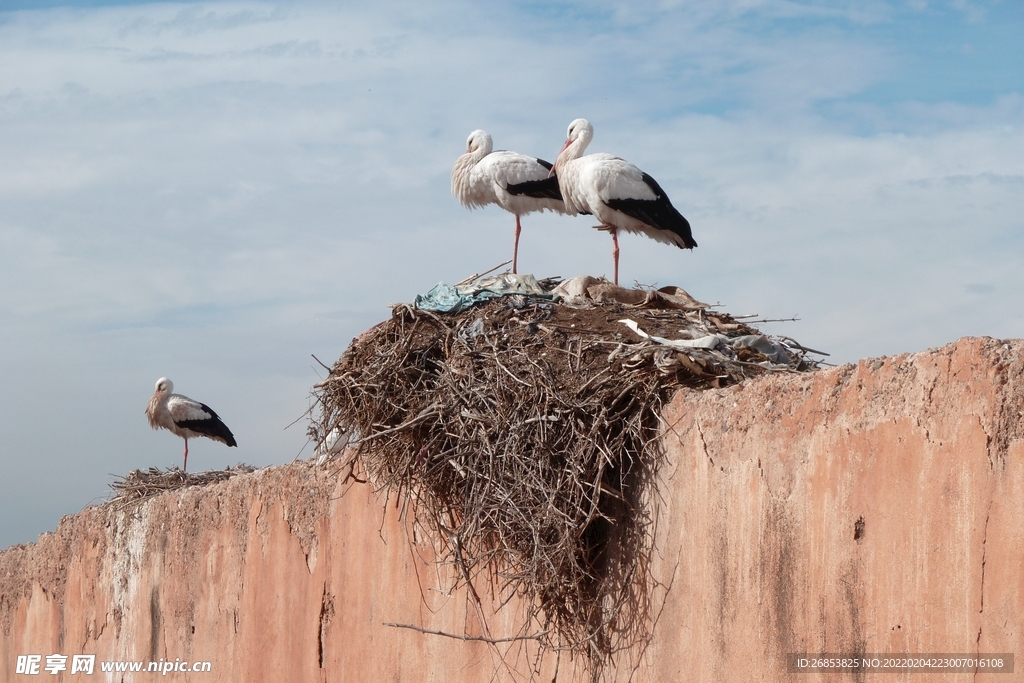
[515, 249]
[615, 252]
[185, 467]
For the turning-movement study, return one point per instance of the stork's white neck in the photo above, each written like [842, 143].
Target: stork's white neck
[580, 135]
[478, 146]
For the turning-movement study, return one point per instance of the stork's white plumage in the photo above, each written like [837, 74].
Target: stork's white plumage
[185, 417]
[481, 177]
[618, 193]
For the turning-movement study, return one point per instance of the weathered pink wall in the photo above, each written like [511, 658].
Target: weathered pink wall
[275, 576]
[271, 577]
[769, 479]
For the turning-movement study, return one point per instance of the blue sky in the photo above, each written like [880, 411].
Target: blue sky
[215, 191]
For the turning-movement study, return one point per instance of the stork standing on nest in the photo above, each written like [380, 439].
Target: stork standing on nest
[185, 417]
[618, 193]
[481, 177]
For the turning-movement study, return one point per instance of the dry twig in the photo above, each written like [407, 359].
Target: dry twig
[526, 450]
[138, 485]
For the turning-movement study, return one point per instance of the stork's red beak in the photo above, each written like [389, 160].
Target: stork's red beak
[554, 167]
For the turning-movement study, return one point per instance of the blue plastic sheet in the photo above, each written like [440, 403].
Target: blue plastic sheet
[447, 298]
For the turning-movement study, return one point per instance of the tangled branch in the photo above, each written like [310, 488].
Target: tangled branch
[523, 436]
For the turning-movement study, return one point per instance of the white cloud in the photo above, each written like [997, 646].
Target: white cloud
[213, 192]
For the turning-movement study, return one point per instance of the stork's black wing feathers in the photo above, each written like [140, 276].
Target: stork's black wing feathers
[540, 189]
[657, 212]
[212, 427]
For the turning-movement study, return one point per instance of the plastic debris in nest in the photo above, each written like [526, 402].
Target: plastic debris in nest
[334, 444]
[777, 356]
[446, 298]
[584, 290]
[702, 333]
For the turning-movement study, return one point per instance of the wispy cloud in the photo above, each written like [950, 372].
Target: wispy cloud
[213, 191]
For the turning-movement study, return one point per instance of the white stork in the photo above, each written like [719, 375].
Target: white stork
[185, 417]
[618, 193]
[481, 177]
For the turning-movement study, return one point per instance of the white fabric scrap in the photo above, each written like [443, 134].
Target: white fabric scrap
[773, 351]
[710, 341]
[776, 353]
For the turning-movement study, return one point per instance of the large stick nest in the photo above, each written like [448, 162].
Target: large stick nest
[523, 435]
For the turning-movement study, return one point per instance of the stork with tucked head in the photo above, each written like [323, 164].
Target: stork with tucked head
[482, 176]
[618, 193]
[185, 417]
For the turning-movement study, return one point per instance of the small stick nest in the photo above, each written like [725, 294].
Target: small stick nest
[139, 485]
[523, 436]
